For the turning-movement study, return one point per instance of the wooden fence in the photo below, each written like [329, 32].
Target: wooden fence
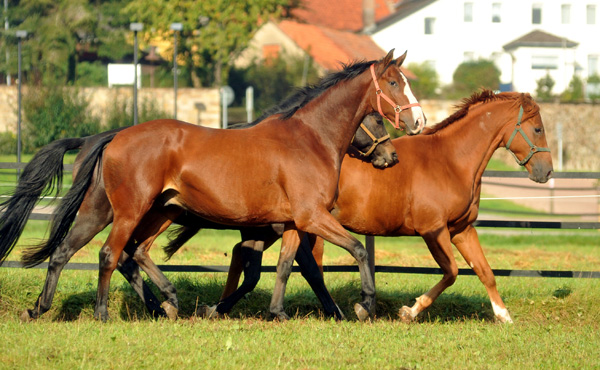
[370, 241]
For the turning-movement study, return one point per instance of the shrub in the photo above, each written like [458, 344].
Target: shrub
[427, 82]
[574, 92]
[593, 88]
[544, 88]
[52, 113]
[120, 114]
[8, 143]
[472, 76]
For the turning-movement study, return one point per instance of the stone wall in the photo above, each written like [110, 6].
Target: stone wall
[580, 131]
[198, 106]
[580, 122]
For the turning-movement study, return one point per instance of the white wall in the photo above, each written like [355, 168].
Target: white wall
[454, 40]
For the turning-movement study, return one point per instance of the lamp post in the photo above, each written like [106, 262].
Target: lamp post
[135, 27]
[176, 27]
[21, 34]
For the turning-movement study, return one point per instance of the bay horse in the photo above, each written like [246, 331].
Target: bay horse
[370, 143]
[211, 172]
[433, 192]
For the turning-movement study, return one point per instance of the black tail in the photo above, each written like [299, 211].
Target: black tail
[177, 238]
[65, 214]
[41, 177]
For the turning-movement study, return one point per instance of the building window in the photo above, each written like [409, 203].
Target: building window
[593, 65]
[536, 14]
[544, 62]
[429, 26]
[496, 10]
[468, 13]
[591, 14]
[565, 11]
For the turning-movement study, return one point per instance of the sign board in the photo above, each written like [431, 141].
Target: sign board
[122, 74]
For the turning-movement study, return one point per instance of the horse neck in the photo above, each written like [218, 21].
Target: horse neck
[335, 115]
[475, 137]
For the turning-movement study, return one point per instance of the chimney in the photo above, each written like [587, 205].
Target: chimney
[368, 16]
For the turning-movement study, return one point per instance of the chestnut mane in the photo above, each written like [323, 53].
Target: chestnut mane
[484, 96]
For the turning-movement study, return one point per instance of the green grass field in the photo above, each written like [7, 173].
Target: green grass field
[556, 320]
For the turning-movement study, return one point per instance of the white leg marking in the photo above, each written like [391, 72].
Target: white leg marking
[501, 314]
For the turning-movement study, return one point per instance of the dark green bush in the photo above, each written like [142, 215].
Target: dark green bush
[8, 143]
[543, 91]
[472, 76]
[51, 113]
[120, 113]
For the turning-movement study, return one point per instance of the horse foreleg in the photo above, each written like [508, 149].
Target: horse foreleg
[313, 273]
[441, 249]
[467, 243]
[326, 226]
[236, 267]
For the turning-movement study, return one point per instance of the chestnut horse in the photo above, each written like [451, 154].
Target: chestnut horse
[434, 190]
[371, 142]
[283, 170]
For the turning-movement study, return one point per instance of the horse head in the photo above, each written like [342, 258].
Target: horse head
[373, 141]
[392, 86]
[526, 141]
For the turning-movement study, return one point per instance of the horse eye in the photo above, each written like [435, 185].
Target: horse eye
[393, 83]
[538, 130]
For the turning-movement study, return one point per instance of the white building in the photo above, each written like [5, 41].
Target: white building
[525, 38]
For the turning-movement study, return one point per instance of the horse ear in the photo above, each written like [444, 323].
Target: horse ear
[401, 58]
[388, 58]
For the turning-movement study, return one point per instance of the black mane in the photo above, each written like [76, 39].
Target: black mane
[304, 95]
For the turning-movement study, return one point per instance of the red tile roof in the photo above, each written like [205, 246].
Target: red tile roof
[346, 15]
[329, 48]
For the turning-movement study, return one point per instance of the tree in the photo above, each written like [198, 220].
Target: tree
[593, 88]
[474, 75]
[574, 92]
[59, 32]
[544, 88]
[214, 31]
[427, 81]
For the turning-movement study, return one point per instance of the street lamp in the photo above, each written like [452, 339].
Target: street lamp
[135, 27]
[176, 27]
[21, 34]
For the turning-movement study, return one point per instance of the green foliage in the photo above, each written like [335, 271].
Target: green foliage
[8, 143]
[91, 74]
[120, 114]
[573, 93]
[471, 76]
[272, 79]
[544, 88]
[214, 31]
[427, 82]
[52, 113]
[593, 85]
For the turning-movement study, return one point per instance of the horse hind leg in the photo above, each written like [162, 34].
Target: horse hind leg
[467, 243]
[93, 217]
[440, 247]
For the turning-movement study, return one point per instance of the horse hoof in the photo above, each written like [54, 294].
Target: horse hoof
[405, 315]
[102, 317]
[361, 312]
[341, 316]
[26, 316]
[279, 316]
[170, 310]
[208, 312]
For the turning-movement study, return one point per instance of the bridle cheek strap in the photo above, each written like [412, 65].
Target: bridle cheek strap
[533, 149]
[397, 107]
[376, 141]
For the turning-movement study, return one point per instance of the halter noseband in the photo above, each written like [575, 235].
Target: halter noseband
[534, 149]
[376, 141]
[397, 107]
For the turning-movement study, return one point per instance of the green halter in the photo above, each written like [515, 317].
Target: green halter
[534, 149]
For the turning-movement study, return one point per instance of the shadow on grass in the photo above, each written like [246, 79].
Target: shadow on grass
[449, 307]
